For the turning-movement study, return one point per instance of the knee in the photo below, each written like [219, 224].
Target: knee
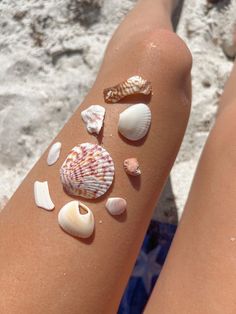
[171, 52]
[162, 52]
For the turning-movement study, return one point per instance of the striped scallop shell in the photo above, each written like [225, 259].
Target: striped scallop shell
[134, 85]
[88, 171]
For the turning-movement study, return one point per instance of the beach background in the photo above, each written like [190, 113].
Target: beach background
[50, 52]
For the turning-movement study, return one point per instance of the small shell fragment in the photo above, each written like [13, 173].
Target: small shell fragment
[93, 117]
[88, 171]
[73, 222]
[42, 196]
[134, 122]
[134, 85]
[131, 167]
[54, 153]
[116, 205]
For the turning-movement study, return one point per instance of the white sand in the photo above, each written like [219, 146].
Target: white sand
[50, 53]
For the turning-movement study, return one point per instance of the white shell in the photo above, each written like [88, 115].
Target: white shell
[88, 171]
[73, 222]
[54, 153]
[116, 205]
[42, 196]
[135, 121]
[93, 117]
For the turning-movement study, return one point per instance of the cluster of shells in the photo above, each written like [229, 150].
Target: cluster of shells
[88, 171]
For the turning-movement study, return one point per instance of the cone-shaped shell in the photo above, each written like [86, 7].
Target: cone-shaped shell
[88, 171]
[135, 121]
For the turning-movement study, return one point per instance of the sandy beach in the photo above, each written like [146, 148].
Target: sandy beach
[50, 54]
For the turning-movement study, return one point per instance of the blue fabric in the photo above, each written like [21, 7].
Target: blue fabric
[147, 268]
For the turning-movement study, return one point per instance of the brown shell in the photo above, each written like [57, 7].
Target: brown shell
[134, 85]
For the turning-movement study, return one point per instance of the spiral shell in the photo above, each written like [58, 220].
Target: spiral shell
[88, 171]
[134, 85]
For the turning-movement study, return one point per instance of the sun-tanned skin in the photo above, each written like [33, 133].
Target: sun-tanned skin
[44, 270]
[199, 276]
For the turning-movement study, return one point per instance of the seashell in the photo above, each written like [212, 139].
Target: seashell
[131, 167]
[73, 222]
[134, 85]
[42, 196]
[116, 205]
[135, 121]
[88, 171]
[54, 153]
[93, 117]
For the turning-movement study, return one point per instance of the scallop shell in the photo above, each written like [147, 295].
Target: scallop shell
[131, 167]
[93, 117]
[54, 153]
[88, 171]
[135, 121]
[73, 222]
[116, 205]
[42, 196]
[134, 85]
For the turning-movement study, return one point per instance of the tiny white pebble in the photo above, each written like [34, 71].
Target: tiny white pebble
[100, 221]
[233, 239]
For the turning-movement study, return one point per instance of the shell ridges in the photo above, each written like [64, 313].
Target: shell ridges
[88, 171]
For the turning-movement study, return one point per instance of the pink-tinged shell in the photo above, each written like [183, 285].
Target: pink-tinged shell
[131, 167]
[134, 85]
[116, 205]
[88, 171]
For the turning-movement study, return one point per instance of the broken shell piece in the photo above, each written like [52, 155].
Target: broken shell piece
[116, 205]
[88, 171]
[134, 122]
[54, 153]
[42, 196]
[93, 117]
[131, 167]
[73, 222]
[134, 85]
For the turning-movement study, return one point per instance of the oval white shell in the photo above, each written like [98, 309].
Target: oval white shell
[135, 121]
[116, 205]
[42, 196]
[54, 153]
[88, 171]
[131, 167]
[133, 85]
[93, 117]
[73, 222]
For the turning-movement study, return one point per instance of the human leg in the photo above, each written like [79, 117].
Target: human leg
[43, 270]
[200, 272]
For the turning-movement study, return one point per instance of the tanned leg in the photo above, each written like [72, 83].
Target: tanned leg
[44, 270]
